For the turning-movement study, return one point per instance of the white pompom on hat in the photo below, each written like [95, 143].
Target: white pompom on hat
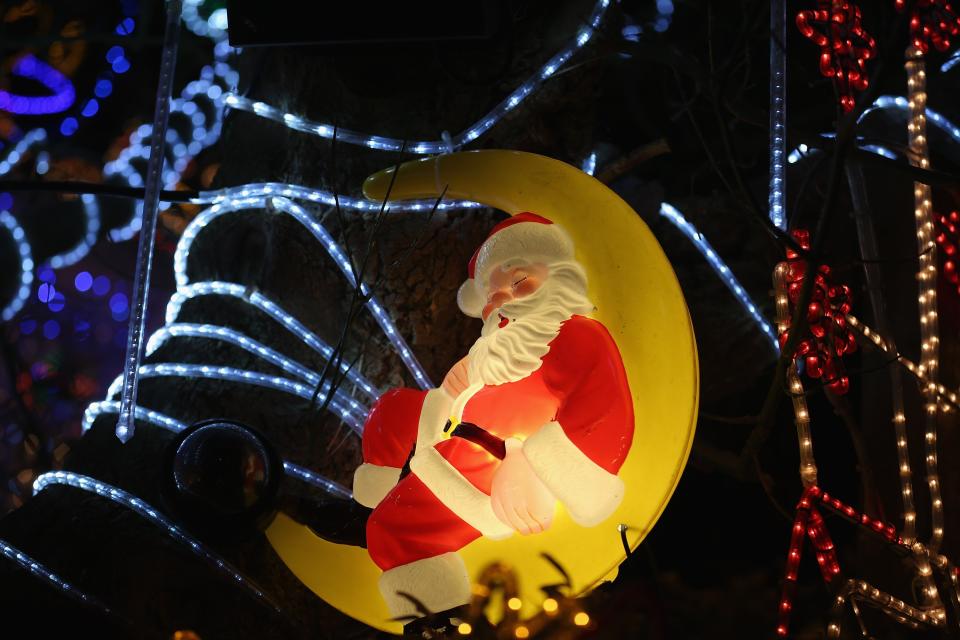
[525, 237]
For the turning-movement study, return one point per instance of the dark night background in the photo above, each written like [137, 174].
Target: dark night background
[670, 96]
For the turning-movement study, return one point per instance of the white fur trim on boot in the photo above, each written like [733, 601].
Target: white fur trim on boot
[589, 492]
[371, 483]
[439, 583]
[458, 494]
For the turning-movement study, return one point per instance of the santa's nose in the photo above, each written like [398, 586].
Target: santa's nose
[494, 301]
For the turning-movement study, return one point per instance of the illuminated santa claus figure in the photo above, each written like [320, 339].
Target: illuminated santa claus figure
[538, 412]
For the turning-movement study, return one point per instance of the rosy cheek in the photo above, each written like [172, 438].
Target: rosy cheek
[526, 287]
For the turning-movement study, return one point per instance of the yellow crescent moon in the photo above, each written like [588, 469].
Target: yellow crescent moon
[640, 302]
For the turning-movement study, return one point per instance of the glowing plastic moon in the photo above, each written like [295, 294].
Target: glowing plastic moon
[640, 302]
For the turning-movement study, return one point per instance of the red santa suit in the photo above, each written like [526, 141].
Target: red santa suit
[574, 414]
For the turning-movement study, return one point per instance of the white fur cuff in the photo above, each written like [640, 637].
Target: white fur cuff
[433, 417]
[439, 583]
[371, 483]
[457, 493]
[589, 492]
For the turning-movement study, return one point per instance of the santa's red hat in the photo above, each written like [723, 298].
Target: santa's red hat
[521, 239]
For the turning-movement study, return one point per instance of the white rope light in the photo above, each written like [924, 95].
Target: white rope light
[238, 339]
[322, 236]
[267, 306]
[243, 376]
[141, 508]
[45, 574]
[19, 237]
[425, 147]
[79, 251]
[24, 144]
[778, 113]
[161, 420]
[676, 218]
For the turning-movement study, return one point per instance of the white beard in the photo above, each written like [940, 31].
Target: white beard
[515, 351]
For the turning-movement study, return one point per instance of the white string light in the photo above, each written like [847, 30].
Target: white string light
[243, 376]
[670, 212]
[19, 237]
[322, 236]
[237, 339]
[143, 509]
[267, 306]
[926, 279]
[424, 147]
[45, 574]
[158, 419]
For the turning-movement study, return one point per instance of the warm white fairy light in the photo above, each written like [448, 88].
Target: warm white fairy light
[927, 279]
[155, 418]
[143, 509]
[801, 413]
[424, 147]
[859, 590]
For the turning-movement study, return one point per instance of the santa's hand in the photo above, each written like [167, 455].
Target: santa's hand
[457, 379]
[518, 497]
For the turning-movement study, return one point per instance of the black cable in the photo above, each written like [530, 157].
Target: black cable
[65, 186]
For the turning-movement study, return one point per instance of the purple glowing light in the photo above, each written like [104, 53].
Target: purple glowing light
[30, 67]
[101, 285]
[51, 329]
[57, 303]
[83, 281]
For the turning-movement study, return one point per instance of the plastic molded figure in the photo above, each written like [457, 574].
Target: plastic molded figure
[538, 412]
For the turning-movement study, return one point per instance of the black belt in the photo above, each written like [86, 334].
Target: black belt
[479, 436]
[471, 432]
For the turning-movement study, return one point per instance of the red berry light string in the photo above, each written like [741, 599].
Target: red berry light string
[836, 27]
[932, 23]
[828, 338]
[948, 240]
[808, 523]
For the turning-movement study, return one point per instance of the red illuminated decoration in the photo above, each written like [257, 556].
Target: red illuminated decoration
[948, 240]
[828, 337]
[835, 26]
[932, 22]
[808, 523]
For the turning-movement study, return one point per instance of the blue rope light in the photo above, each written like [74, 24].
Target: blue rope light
[15, 154]
[703, 246]
[45, 574]
[82, 248]
[143, 509]
[274, 311]
[322, 236]
[425, 147]
[8, 222]
[28, 66]
[163, 421]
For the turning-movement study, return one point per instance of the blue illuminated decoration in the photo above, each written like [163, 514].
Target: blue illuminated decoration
[778, 113]
[163, 421]
[676, 218]
[19, 237]
[141, 508]
[589, 165]
[45, 574]
[82, 248]
[424, 147]
[30, 67]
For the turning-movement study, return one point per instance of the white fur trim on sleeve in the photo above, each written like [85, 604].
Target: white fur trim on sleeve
[439, 583]
[433, 417]
[371, 483]
[457, 493]
[589, 492]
